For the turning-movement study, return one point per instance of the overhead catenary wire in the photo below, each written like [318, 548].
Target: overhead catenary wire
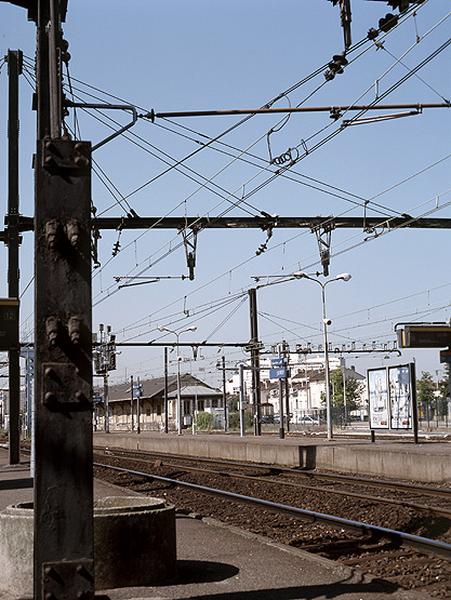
[359, 114]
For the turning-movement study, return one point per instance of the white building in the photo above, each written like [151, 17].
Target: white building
[306, 385]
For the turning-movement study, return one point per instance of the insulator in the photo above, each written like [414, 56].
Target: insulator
[372, 33]
[388, 22]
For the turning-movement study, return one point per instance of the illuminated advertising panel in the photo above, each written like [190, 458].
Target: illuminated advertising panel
[378, 398]
[400, 394]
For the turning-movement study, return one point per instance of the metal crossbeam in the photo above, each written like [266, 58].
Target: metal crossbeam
[258, 222]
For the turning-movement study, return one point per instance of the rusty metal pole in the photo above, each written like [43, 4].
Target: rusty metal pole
[14, 59]
[63, 484]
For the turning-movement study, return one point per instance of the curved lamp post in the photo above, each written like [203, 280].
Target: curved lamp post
[178, 408]
[326, 323]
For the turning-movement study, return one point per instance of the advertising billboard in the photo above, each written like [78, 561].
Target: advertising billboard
[378, 398]
[400, 394]
[390, 396]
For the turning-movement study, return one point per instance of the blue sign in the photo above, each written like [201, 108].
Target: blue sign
[137, 391]
[279, 373]
[278, 362]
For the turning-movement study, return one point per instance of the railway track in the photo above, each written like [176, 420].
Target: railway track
[420, 543]
[278, 476]
[390, 541]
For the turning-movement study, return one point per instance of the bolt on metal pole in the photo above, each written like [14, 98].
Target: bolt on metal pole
[14, 58]
[242, 401]
[326, 366]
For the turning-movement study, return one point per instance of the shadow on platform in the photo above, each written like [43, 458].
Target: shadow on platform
[204, 571]
[330, 590]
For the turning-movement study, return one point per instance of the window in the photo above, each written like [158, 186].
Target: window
[186, 407]
[158, 407]
[214, 404]
[147, 412]
[201, 405]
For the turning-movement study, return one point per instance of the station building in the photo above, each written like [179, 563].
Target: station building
[197, 396]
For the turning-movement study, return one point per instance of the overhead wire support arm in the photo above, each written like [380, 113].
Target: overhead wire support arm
[131, 108]
[152, 115]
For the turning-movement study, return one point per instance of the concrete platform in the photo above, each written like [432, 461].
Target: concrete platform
[218, 562]
[428, 461]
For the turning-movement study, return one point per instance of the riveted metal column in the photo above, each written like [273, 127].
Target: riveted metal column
[63, 494]
[14, 58]
[63, 480]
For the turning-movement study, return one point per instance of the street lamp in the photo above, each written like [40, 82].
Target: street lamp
[178, 408]
[326, 323]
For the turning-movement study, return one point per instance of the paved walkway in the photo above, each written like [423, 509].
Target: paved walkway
[218, 562]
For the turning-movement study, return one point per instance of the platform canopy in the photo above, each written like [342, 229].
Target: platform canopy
[424, 335]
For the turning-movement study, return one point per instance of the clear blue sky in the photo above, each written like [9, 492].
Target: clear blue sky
[203, 54]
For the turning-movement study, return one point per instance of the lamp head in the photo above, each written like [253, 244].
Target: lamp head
[161, 328]
[344, 276]
[192, 328]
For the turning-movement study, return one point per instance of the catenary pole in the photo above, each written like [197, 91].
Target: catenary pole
[14, 58]
[255, 361]
[166, 403]
[63, 483]
[281, 411]
[131, 404]
[224, 393]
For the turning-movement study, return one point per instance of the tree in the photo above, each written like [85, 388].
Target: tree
[443, 385]
[425, 392]
[354, 390]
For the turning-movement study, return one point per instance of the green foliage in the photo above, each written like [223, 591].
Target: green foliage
[204, 421]
[234, 420]
[443, 385]
[425, 389]
[354, 389]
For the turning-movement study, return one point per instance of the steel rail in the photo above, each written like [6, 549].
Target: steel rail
[265, 480]
[397, 486]
[420, 543]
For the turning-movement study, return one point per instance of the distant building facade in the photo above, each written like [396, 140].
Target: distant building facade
[197, 396]
[306, 386]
